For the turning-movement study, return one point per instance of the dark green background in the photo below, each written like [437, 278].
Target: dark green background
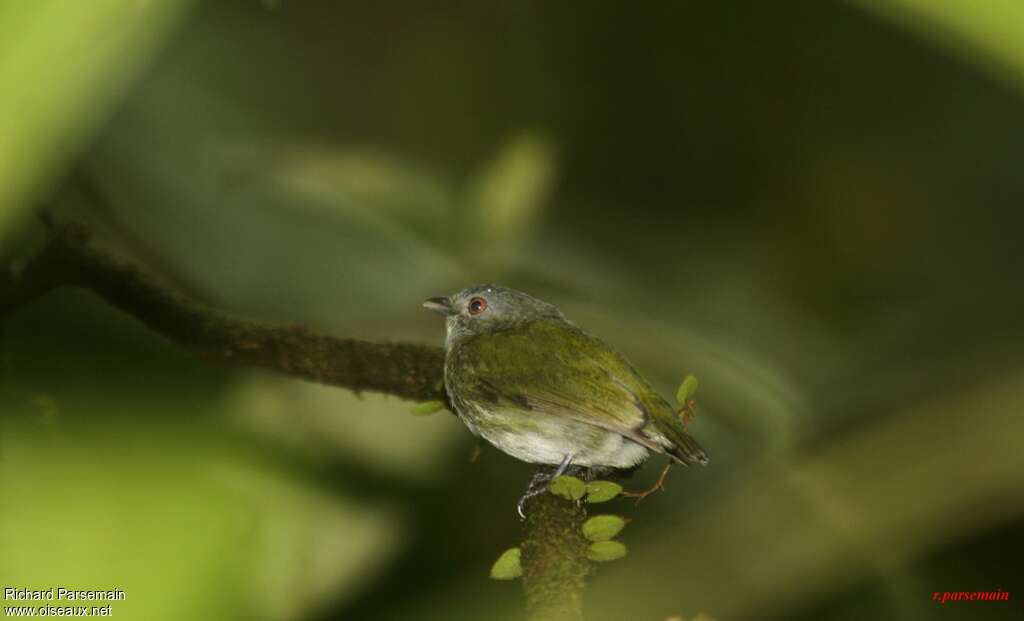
[814, 207]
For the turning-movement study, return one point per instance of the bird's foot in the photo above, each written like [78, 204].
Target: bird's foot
[658, 485]
[539, 484]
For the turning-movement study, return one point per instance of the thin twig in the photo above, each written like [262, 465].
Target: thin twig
[658, 485]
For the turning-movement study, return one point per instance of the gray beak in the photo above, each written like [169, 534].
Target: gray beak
[441, 306]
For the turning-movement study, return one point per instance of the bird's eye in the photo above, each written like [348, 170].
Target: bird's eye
[477, 306]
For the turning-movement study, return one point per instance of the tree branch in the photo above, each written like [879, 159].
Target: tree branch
[554, 550]
[554, 555]
[405, 370]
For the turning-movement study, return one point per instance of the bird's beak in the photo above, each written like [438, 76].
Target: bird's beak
[441, 306]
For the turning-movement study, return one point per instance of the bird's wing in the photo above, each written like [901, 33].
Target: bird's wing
[557, 369]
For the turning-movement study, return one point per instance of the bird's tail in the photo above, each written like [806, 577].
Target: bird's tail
[685, 449]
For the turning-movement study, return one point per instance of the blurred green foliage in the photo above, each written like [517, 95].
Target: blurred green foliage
[63, 65]
[987, 34]
[813, 206]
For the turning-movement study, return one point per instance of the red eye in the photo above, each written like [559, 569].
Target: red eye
[477, 306]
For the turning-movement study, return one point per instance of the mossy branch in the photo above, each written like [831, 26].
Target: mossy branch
[70, 258]
[554, 550]
[554, 554]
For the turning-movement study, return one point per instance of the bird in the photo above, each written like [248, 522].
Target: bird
[525, 378]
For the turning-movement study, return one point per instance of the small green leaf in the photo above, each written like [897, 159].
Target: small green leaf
[604, 551]
[508, 566]
[568, 487]
[426, 407]
[602, 491]
[603, 527]
[686, 390]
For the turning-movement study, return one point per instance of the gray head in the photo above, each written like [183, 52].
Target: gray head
[482, 309]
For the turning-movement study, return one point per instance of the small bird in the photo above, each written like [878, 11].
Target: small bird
[542, 390]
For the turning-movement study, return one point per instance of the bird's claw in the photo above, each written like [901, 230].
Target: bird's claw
[539, 484]
[519, 507]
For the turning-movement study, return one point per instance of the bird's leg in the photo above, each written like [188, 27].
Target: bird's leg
[539, 484]
[659, 484]
[560, 470]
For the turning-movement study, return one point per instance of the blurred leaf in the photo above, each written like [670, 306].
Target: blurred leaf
[603, 527]
[63, 66]
[602, 491]
[366, 184]
[426, 408]
[686, 390]
[508, 196]
[568, 487]
[322, 422]
[181, 525]
[508, 566]
[987, 34]
[339, 220]
[604, 551]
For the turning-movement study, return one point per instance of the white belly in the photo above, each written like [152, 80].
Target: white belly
[544, 439]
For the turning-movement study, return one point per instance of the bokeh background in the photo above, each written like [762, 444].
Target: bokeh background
[814, 207]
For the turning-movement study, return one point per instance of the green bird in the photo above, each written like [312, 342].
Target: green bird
[527, 380]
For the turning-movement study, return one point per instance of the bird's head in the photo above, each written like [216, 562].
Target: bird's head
[483, 309]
